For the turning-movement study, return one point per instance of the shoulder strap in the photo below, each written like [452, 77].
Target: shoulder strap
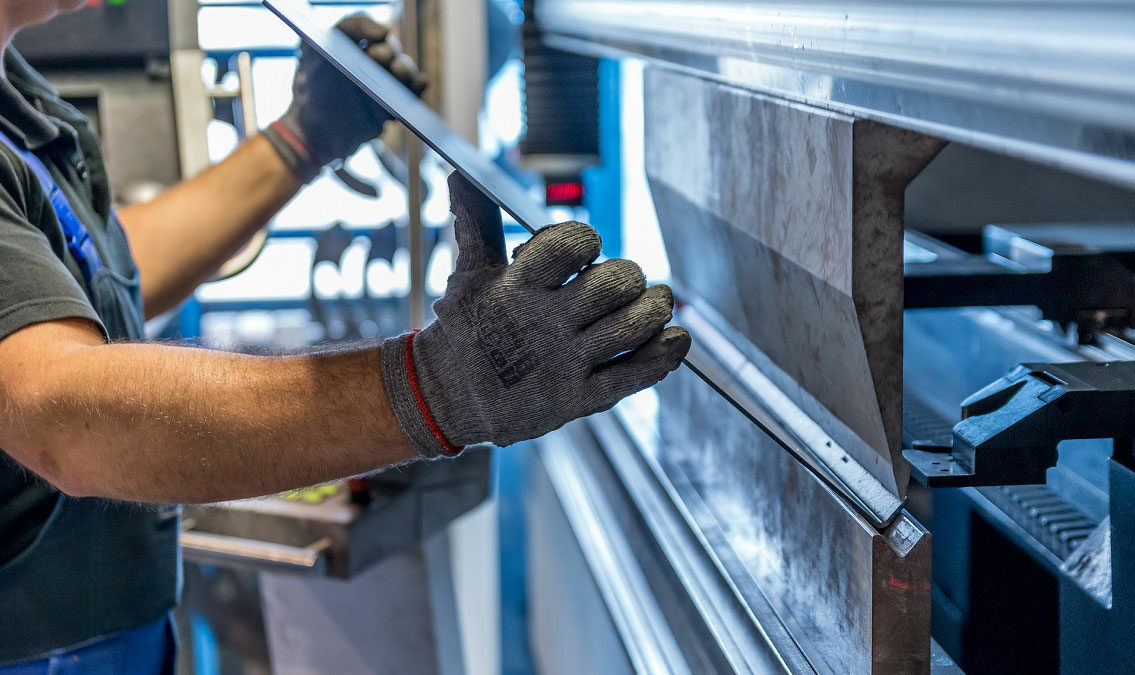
[79, 242]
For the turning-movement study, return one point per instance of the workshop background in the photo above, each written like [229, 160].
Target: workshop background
[871, 214]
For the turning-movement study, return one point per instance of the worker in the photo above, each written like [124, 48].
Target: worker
[100, 428]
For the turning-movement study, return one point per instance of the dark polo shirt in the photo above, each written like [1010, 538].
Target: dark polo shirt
[71, 570]
[39, 281]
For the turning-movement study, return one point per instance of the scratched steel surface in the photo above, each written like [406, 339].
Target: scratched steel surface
[787, 221]
[1051, 81]
[854, 599]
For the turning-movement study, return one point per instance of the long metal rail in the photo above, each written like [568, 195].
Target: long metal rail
[467, 160]
[1050, 81]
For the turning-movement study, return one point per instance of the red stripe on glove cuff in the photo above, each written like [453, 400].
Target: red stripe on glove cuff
[412, 375]
[296, 143]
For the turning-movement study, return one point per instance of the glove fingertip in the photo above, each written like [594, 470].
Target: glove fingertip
[662, 355]
[675, 342]
[421, 82]
[382, 53]
[646, 366]
[362, 28]
[666, 292]
[464, 196]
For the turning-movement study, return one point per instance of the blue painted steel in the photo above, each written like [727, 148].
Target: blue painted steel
[603, 185]
[511, 470]
[206, 649]
[189, 319]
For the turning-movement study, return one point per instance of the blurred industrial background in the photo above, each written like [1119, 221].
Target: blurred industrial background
[870, 214]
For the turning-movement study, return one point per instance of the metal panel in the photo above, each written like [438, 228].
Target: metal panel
[645, 558]
[787, 221]
[726, 369]
[1051, 81]
[130, 105]
[99, 33]
[569, 626]
[394, 618]
[647, 640]
[851, 598]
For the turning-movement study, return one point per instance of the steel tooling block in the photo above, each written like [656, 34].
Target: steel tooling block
[788, 221]
[857, 599]
[806, 326]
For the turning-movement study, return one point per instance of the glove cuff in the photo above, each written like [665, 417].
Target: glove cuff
[400, 375]
[293, 151]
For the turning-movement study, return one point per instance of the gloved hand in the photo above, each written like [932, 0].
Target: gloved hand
[519, 350]
[330, 117]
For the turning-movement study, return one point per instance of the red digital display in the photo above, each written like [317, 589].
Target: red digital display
[564, 194]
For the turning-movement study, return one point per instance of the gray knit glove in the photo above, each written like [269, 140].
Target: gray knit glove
[519, 350]
[330, 117]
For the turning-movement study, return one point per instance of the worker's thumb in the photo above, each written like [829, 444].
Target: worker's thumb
[478, 229]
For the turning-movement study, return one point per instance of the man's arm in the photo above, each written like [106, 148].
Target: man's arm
[182, 237]
[518, 349]
[174, 424]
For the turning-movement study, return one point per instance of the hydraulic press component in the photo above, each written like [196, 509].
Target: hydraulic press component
[1010, 429]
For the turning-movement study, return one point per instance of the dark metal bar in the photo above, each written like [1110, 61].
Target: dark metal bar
[415, 115]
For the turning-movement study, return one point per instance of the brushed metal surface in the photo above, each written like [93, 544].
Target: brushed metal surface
[852, 598]
[726, 369]
[647, 639]
[1051, 81]
[787, 221]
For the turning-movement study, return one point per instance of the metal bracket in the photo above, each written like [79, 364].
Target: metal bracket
[259, 556]
[1010, 429]
[1081, 275]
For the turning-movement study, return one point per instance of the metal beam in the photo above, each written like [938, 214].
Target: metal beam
[1052, 82]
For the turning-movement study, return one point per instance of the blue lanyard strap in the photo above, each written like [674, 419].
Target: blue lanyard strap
[79, 242]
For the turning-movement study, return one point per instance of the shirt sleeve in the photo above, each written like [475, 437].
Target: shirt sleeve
[35, 284]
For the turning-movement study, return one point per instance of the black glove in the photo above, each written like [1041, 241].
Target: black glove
[519, 350]
[330, 117]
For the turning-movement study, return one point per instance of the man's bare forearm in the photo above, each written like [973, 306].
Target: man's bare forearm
[182, 237]
[156, 423]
